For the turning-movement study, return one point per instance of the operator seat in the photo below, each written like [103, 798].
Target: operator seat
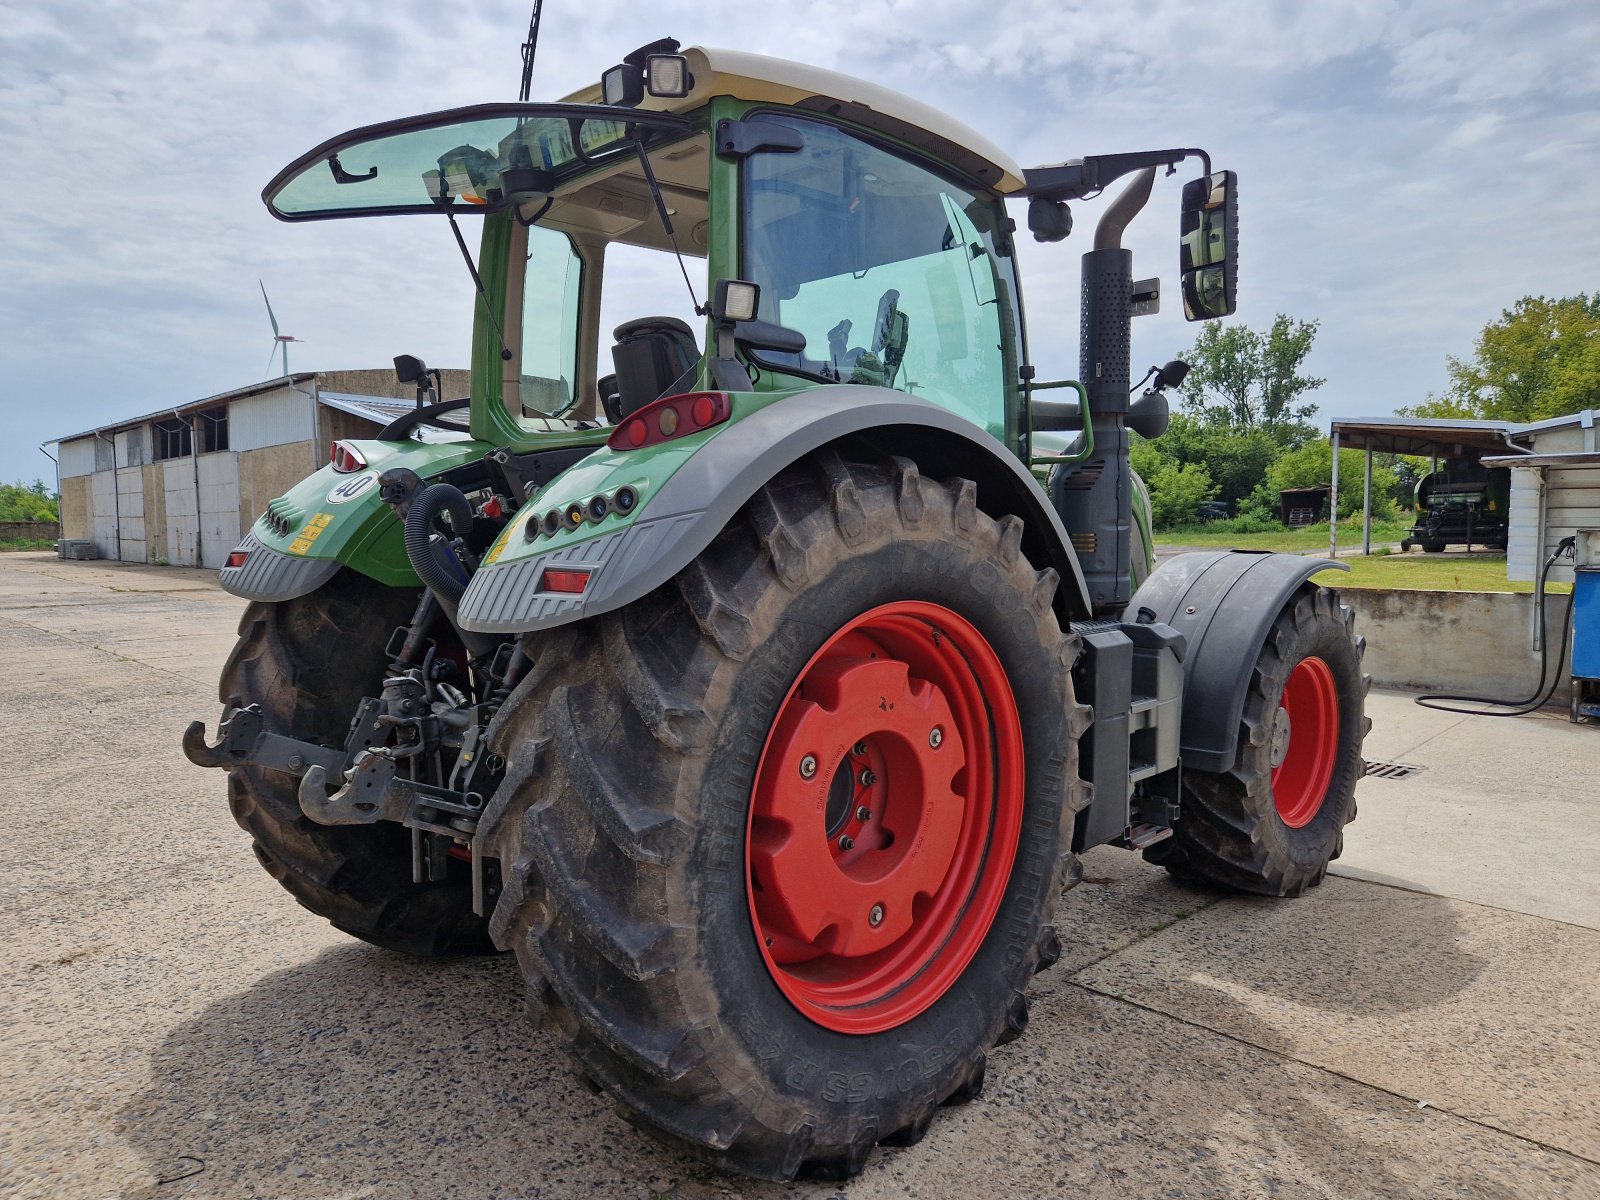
[652, 355]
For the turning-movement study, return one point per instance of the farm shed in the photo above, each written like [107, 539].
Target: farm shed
[180, 485]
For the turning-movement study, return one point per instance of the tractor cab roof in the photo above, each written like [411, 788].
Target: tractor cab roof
[756, 77]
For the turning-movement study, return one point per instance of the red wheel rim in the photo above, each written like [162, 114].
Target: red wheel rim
[1308, 725]
[885, 816]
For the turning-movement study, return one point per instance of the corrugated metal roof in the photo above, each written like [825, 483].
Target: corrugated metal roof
[383, 410]
[1434, 435]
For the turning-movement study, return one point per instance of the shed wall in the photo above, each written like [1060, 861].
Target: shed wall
[277, 418]
[75, 521]
[267, 473]
[1571, 501]
[77, 458]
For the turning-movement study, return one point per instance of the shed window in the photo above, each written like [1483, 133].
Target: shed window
[214, 429]
[171, 438]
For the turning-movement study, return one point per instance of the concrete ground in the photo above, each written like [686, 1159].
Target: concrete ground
[173, 1025]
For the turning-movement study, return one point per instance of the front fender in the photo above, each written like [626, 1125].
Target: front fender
[693, 504]
[330, 519]
[1223, 602]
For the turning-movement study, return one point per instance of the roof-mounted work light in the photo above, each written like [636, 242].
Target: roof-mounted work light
[668, 76]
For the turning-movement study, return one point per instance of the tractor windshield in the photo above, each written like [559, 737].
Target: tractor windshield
[475, 159]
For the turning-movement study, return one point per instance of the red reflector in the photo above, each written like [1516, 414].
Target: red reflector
[346, 458]
[670, 417]
[571, 582]
[236, 558]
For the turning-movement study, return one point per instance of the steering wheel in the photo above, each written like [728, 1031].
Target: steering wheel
[400, 428]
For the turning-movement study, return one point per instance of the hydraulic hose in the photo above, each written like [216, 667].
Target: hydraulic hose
[430, 557]
[1541, 696]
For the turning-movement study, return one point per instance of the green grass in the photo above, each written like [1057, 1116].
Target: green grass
[1454, 572]
[26, 544]
[1312, 537]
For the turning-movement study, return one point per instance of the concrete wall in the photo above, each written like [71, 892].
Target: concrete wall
[75, 506]
[268, 473]
[1470, 643]
[383, 383]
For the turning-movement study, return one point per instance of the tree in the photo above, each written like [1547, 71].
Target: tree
[1541, 359]
[28, 502]
[1311, 465]
[1242, 379]
[1235, 459]
[1176, 488]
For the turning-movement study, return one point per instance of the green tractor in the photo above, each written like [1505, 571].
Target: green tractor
[757, 675]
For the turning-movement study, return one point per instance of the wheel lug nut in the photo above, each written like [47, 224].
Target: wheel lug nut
[936, 738]
[808, 766]
[868, 778]
[863, 813]
[875, 917]
[847, 842]
[859, 750]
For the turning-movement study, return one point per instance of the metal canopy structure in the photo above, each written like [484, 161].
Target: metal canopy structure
[1429, 437]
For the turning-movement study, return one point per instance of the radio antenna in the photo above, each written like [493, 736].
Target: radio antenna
[528, 47]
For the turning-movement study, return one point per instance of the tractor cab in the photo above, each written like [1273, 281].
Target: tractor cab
[873, 228]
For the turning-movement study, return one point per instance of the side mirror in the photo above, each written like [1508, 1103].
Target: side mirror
[408, 368]
[1208, 255]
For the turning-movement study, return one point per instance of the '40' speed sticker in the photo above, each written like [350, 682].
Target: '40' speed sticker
[348, 489]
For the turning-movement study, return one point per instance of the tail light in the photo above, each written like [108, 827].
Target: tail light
[237, 558]
[570, 582]
[670, 417]
[346, 458]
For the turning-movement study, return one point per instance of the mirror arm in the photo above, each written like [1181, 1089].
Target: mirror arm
[1081, 177]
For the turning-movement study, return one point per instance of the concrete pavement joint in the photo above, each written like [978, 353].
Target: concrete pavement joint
[1282, 1057]
[1368, 878]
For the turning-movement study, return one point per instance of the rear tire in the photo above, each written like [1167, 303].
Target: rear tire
[1432, 546]
[1272, 823]
[641, 745]
[308, 662]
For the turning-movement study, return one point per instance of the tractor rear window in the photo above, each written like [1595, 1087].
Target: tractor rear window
[474, 159]
[889, 270]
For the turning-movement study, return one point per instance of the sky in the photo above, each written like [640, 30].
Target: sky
[1407, 170]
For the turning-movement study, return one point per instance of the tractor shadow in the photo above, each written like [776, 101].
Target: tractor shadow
[360, 1075]
[1257, 1047]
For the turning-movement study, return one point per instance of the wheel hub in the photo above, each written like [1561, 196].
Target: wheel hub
[1279, 746]
[874, 877]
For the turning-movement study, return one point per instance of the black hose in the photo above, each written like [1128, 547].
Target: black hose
[430, 556]
[1541, 696]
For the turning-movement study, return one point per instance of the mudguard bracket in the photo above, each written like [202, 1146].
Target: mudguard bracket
[1223, 602]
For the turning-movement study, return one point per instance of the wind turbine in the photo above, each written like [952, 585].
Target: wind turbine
[278, 339]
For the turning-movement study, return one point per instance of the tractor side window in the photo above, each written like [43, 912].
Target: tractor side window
[552, 281]
[889, 270]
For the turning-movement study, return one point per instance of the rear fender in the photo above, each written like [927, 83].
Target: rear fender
[1223, 602]
[696, 502]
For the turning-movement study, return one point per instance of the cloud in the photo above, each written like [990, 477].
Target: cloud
[1407, 169]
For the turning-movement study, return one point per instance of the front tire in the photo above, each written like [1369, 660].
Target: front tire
[1273, 822]
[671, 859]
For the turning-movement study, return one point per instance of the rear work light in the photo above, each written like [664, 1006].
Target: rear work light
[555, 579]
[346, 458]
[670, 417]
